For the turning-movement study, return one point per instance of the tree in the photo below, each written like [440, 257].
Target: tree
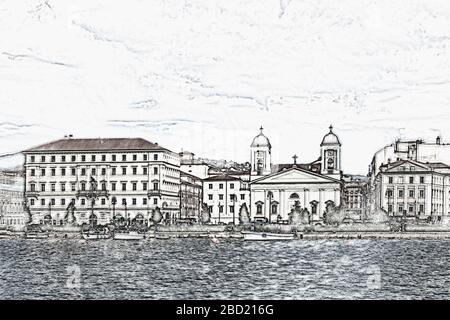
[334, 215]
[205, 215]
[156, 216]
[244, 215]
[70, 217]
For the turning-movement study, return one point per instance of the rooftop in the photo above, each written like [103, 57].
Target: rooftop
[70, 144]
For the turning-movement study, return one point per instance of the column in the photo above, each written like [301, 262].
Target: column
[321, 207]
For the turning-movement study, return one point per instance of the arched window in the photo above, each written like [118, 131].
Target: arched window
[274, 208]
[294, 196]
[259, 208]
[48, 219]
[93, 220]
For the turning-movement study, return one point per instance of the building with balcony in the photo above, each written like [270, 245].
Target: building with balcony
[125, 178]
[191, 196]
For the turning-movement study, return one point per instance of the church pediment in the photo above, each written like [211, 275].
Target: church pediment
[295, 175]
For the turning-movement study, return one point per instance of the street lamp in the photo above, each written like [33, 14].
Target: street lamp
[114, 202]
[270, 197]
[220, 205]
[233, 200]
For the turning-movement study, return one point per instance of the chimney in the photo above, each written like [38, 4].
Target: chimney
[438, 140]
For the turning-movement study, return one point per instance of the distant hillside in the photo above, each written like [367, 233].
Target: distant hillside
[12, 162]
[226, 164]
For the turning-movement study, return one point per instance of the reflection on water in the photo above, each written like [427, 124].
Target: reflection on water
[230, 269]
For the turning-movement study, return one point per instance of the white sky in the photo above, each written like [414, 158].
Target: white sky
[204, 75]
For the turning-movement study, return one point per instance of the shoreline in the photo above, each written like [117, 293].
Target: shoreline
[237, 235]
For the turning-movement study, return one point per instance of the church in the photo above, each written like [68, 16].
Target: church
[276, 189]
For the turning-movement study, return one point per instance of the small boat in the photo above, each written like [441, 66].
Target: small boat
[131, 235]
[95, 236]
[267, 236]
[161, 237]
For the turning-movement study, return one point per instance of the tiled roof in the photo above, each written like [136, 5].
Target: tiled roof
[97, 144]
[222, 177]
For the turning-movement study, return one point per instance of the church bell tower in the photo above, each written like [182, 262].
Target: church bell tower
[260, 156]
[330, 152]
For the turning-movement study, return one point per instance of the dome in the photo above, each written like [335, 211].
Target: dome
[330, 138]
[261, 140]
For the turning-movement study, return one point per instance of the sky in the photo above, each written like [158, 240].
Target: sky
[204, 75]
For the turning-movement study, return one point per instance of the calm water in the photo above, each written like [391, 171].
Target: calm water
[201, 269]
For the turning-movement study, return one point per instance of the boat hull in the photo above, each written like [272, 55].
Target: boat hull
[267, 236]
[129, 236]
[95, 236]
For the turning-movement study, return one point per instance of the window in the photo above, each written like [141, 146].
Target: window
[411, 209]
[124, 157]
[103, 157]
[400, 180]
[124, 186]
[83, 186]
[210, 186]
[231, 209]
[114, 157]
[220, 196]
[259, 208]
[274, 208]
[144, 186]
[113, 186]
[133, 201]
[93, 172]
[42, 158]
[220, 209]
[83, 172]
[42, 172]
[32, 202]
[422, 194]
[412, 193]
[83, 202]
[93, 158]
[42, 202]
[232, 197]
[220, 185]
[104, 186]
[144, 201]
[73, 171]
[390, 208]
[155, 170]
[103, 172]
[32, 159]
[401, 193]
[74, 158]
[144, 170]
[421, 208]
[155, 200]
[53, 159]
[43, 187]
[400, 208]
[134, 157]
[63, 187]
[53, 187]
[134, 186]
[103, 202]
[52, 201]
[83, 158]
[242, 196]
[113, 171]
[124, 171]
[231, 185]
[124, 202]
[155, 186]
[134, 171]
[155, 157]
[145, 157]
[411, 180]
[390, 193]
[63, 172]
[210, 196]
[53, 172]
[32, 187]
[73, 186]
[422, 179]
[63, 202]
[33, 172]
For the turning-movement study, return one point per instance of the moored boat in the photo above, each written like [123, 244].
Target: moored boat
[130, 235]
[161, 237]
[36, 235]
[267, 236]
[95, 236]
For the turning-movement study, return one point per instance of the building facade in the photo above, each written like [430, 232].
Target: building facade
[102, 179]
[314, 186]
[12, 209]
[191, 196]
[224, 195]
[355, 194]
[414, 189]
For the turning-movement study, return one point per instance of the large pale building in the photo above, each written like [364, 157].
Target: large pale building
[125, 178]
[12, 210]
[276, 189]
